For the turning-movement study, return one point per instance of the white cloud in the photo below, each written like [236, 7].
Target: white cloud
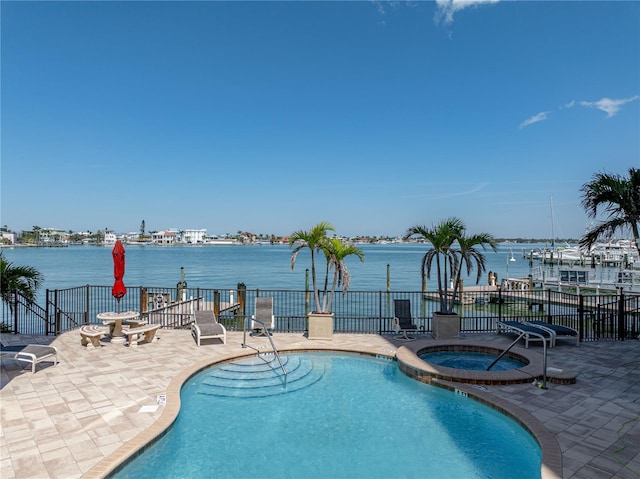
[447, 8]
[450, 194]
[609, 106]
[543, 115]
[379, 7]
[571, 104]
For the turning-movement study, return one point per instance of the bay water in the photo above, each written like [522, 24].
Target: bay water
[257, 266]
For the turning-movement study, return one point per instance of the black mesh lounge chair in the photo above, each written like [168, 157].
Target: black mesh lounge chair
[31, 353]
[264, 314]
[561, 332]
[206, 326]
[402, 321]
[529, 332]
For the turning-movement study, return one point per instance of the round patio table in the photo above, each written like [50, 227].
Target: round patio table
[116, 319]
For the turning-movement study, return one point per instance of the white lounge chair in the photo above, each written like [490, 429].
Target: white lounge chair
[264, 314]
[31, 353]
[206, 326]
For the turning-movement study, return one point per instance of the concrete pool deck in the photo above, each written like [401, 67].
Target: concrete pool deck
[79, 418]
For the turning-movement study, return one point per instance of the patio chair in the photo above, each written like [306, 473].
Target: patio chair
[264, 314]
[528, 331]
[402, 321]
[206, 326]
[31, 354]
[560, 331]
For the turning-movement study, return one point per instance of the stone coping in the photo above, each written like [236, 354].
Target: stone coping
[411, 364]
[551, 467]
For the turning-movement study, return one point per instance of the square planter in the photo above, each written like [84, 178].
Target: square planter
[446, 326]
[320, 326]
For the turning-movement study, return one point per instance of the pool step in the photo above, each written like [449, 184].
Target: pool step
[260, 376]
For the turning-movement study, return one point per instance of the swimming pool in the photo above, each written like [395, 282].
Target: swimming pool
[339, 416]
[471, 360]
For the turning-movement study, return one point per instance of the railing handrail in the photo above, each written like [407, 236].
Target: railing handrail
[368, 312]
[268, 334]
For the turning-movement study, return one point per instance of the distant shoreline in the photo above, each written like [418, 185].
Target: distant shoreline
[262, 243]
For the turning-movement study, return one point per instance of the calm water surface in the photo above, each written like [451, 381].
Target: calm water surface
[333, 429]
[257, 266]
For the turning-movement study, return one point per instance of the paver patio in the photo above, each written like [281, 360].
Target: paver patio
[66, 420]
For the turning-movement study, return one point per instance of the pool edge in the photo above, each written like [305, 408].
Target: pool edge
[551, 467]
[467, 381]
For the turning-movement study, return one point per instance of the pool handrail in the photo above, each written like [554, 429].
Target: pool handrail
[268, 334]
[544, 355]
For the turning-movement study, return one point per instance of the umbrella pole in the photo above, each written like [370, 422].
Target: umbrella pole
[118, 301]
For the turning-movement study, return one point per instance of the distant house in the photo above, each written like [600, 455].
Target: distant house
[188, 236]
[10, 237]
[110, 237]
[53, 236]
[193, 236]
[164, 237]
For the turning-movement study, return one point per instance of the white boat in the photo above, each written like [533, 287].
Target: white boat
[612, 253]
[561, 254]
[597, 277]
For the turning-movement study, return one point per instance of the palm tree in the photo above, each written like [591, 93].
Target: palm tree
[442, 238]
[336, 251]
[22, 279]
[619, 197]
[36, 230]
[468, 254]
[314, 240]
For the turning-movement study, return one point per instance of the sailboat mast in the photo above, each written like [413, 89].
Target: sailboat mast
[553, 235]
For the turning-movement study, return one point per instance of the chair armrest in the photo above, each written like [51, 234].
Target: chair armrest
[396, 324]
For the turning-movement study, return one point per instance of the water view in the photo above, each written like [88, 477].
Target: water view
[258, 266]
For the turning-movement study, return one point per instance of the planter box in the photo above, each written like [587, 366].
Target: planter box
[445, 326]
[320, 326]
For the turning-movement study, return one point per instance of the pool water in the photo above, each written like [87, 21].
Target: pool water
[360, 417]
[471, 360]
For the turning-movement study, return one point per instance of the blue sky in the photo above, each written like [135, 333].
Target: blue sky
[272, 116]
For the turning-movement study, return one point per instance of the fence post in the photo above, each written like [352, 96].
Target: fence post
[15, 312]
[581, 317]
[380, 309]
[144, 299]
[306, 292]
[47, 316]
[242, 298]
[621, 327]
[86, 309]
[216, 302]
[57, 311]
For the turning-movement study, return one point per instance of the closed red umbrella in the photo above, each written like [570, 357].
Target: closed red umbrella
[119, 289]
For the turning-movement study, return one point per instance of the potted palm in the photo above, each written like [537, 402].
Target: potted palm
[451, 251]
[335, 251]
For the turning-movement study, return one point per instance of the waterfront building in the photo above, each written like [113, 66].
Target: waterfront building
[164, 237]
[110, 238]
[8, 236]
[193, 236]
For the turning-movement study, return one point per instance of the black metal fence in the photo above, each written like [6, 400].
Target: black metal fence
[596, 317]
